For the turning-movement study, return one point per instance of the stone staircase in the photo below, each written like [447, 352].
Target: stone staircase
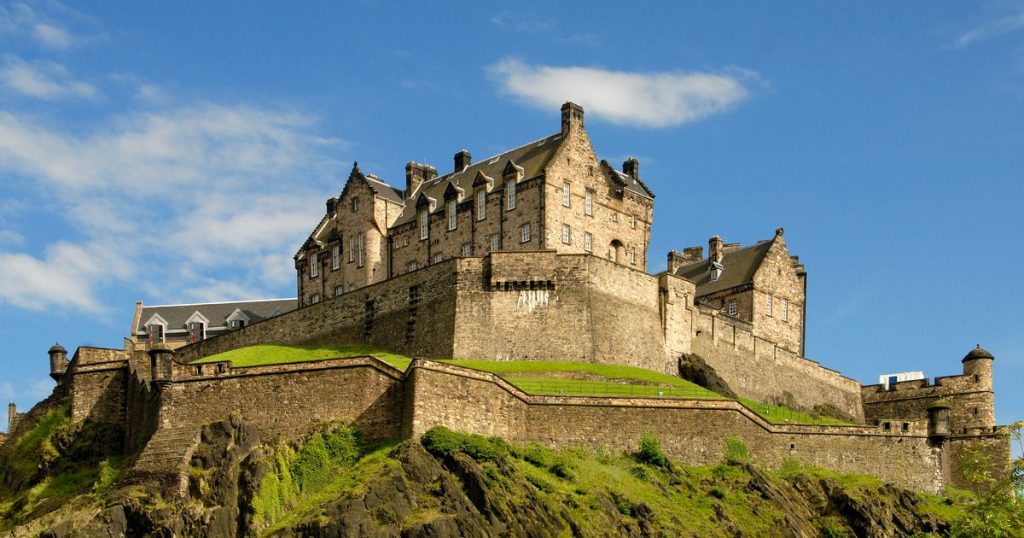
[165, 459]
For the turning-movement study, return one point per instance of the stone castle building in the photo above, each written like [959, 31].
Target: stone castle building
[545, 239]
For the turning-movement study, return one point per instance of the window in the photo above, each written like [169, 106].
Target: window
[732, 307]
[510, 188]
[632, 220]
[355, 205]
[588, 203]
[632, 255]
[196, 331]
[526, 233]
[438, 257]
[770, 301]
[785, 310]
[565, 194]
[452, 217]
[566, 234]
[410, 267]
[351, 250]
[314, 265]
[424, 225]
[338, 290]
[314, 299]
[361, 250]
[336, 257]
[587, 241]
[237, 323]
[467, 249]
[156, 333]
[481, 204]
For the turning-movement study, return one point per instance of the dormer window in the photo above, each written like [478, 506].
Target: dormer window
[196, 331]
[510, 189]
[481, 204]
[155, 332]
[424, 225]
[453, 220]
[314, 265]
[237, 323]
[237, 319]
[716, 271]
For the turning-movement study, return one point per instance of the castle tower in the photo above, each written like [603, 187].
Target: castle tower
[58, 361]
[977, 366]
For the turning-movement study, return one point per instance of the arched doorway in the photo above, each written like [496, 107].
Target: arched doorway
[616, 251]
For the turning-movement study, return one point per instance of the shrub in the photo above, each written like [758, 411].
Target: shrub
[537, 455]
[650, 451]
[640, 472]
[736, 450]
[441, 441]
[717, 492]
[563, 469]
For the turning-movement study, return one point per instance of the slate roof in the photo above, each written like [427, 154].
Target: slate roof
[739, 267]
[629, 182]
[217, 313]
[382, 189]
[532, 158]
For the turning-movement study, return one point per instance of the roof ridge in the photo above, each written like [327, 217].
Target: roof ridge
[220, 302]
[495, 156]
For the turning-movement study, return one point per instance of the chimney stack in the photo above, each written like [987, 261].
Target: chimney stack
[715, 250]
[416, 174]
[332, 204]
[12, 417]
[631, 168]
[462, 160]
[572, 118]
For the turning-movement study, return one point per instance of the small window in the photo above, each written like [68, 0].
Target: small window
[481, 204]
[566, 234]
[632, 220]
[424, 225]
[588, 203]
[587, 241]
[975, 410]
[336, 257]
[565, 194]
[785, 310]
[360, 246]
[351, 250]
[237, 323]
[977, 378]
[355, 205]
[405, 241]
[156, 333]
[495, 242]
[314, 265]
[196, 331]
[886, 426]
[510, 188]
[410, 267]
[906, 427]
[732, 307]
[526, 232]
[770, 301]
[452, 216]
[467, 249]
[314, 299]
[632, 255]
[438, 257]
[338, 290]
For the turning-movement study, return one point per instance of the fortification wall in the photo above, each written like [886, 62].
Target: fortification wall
[142, 410]
[692, 432]
[758, 369]
[378, 314]
[97, 382]
[288, 399]
[970, 399]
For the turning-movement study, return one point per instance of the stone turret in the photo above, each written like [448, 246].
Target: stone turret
[938, 422]
[58, 361]
[978, 364]
[161, 360]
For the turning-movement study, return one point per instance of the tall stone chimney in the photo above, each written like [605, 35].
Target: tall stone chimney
[462, 160]
[12, 417]
[332, 204]
[631, 168]
[715, 250]
[416, 174]
[572, 118]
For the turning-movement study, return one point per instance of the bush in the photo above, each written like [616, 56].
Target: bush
[736, 450]
[717, 492]
[640, 472]
[441, 441]
[650, 451]
[563, 469]
[537, 455]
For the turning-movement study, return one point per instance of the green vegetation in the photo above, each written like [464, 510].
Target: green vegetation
[650, 451]
[299, 473]
[780, 414]
[736, 451]
[443, 442]
[263, 355]
[998, 509]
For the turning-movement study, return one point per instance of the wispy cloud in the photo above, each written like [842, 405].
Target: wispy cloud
[518, 21]
[995, 27]
[641, 99]
[43, 80]
[41, 23]
[167, 202]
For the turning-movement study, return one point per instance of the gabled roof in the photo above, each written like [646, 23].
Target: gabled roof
[217, 313]
[739, 267]
[531, 158]
[627, 181]
[385, 191]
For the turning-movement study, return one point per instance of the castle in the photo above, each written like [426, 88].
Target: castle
[539, 253]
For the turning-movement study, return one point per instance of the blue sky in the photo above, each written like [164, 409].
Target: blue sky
[181, 152]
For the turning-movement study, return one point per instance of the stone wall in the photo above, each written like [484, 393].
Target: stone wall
[760, 370]
[97, 380]
[142, 410]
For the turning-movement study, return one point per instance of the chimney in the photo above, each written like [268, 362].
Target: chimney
[12, 417]
[415, 174]
[572, 117]
[462, 160]
[715, 250]
[332, 204]
[688, 256]
[631, 168]
[693, 254]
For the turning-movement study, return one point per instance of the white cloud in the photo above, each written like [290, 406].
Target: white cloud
[38, 22]
[193, 202]
[53, 36]
[43, 80]
[641, 99]
[992, 28]
[10, 237]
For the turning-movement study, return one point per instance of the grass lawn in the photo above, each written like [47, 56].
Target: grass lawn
[281, 354]
[783, 415]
